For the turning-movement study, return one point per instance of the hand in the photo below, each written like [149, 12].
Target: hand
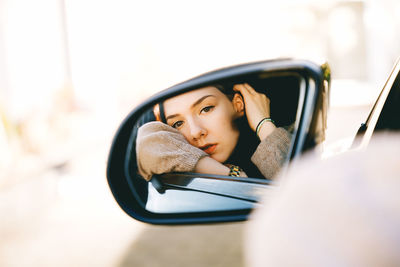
[257, 107]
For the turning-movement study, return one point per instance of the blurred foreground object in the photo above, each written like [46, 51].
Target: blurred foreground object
[344, 211]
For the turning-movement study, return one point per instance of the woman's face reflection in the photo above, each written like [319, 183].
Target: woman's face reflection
[205, 118]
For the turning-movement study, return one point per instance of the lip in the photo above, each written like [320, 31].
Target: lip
[209, 148]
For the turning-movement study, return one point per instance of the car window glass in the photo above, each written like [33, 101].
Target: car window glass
[389, 118]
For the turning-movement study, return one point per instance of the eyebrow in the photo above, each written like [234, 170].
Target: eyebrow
[198, 101]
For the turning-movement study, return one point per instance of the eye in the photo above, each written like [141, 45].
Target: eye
[206, 109]
[177, 124]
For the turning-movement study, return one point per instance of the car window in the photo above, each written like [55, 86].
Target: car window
[389, 119]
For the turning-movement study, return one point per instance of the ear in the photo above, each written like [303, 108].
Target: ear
[238, 104]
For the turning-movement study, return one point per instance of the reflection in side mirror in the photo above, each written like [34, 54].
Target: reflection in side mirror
[216, 124]
[213, 143]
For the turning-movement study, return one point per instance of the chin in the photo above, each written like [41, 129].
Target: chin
[219, 158]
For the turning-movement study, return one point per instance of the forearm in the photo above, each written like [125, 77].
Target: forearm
[266, 129]
[211, 166]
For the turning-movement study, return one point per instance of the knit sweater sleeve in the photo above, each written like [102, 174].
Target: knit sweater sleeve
[271, 153]
[163, 149]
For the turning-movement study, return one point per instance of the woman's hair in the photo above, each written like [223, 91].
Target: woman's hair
[248, 140]
[247, 143]
[245, 148]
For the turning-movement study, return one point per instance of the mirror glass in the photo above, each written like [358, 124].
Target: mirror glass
[217, 146]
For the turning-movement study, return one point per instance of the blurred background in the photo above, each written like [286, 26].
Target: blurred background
[70, 71]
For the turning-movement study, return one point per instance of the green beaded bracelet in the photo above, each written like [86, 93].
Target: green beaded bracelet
[261, 123]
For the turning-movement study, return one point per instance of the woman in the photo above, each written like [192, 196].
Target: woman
[210, 131]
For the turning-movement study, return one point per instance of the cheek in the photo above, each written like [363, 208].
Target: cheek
[186, 134]
[220, 122]
[227, 122]
[223, 127]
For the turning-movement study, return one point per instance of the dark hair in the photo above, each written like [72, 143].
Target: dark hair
[248, 140]
[247, 143]
[245, 147]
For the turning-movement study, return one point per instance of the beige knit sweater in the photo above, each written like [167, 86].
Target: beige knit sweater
[162, 149]
[271, 153]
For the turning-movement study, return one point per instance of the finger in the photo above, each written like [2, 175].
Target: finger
[238, 87]
[246, 89]
[241, 88]
[249, 88]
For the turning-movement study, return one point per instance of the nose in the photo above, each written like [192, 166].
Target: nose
[197, 130]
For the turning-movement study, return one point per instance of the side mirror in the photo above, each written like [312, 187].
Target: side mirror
[298, 92]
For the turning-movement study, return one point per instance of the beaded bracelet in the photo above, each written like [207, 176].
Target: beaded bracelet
[234, 170]
[261, 123]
